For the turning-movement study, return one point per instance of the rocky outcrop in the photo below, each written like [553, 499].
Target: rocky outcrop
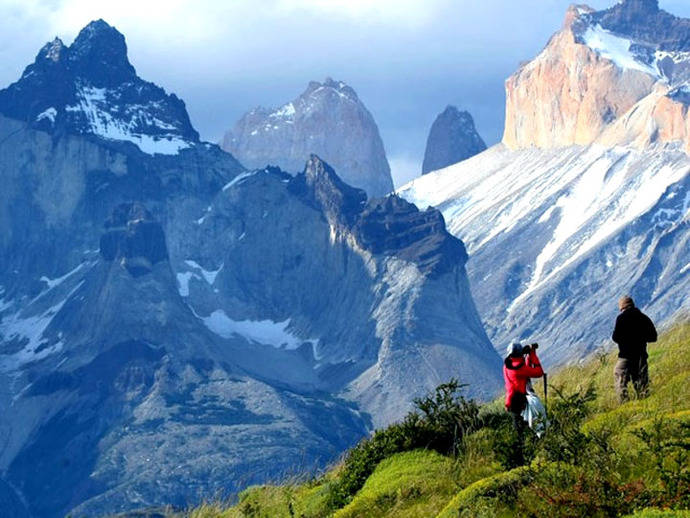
[568, 94]
[133, 239]
[90, 88]
[599, 70]
[359, 282]
[328, 120]
[383, 226]
[452, 138]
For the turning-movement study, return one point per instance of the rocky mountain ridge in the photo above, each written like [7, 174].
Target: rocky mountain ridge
[328, 119]
[90, 88]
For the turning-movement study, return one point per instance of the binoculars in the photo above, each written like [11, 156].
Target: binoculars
[527, 348]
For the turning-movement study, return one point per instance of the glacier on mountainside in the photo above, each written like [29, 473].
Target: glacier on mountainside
[549, 231]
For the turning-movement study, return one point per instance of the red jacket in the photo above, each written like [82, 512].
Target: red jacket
[516, 373]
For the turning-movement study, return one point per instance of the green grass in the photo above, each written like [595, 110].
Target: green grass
[635, 453]
[657, 513]
[406, 485]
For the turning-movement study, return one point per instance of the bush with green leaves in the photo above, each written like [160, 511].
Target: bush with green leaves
[668, 441]
[440, 422]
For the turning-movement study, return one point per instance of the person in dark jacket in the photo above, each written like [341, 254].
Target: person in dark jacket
[521, 364]
[633, 331]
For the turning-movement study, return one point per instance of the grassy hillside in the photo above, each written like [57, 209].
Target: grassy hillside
[598, 458]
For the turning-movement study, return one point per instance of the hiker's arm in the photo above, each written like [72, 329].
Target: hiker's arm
[533, 367]
[651, 330]
[617, 331]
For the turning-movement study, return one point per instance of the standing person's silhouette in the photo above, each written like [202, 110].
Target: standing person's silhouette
[521, 364]
[633, 331]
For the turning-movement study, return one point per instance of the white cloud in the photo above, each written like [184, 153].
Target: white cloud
[387, 12]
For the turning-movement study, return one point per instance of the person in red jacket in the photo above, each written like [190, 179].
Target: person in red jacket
[521, 364]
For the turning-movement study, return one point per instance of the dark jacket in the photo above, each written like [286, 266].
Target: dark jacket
[633, 331]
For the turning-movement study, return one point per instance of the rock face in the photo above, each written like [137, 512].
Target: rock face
[452, 138]
[90, 88]
[595, 74]
[589, 195]
[173, 326]
[329, 120]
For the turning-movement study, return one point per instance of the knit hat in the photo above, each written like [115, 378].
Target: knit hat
[514, 349]
[626, 302]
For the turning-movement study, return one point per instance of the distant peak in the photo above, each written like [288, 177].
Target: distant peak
[100, 52]
[453, 112]
[91, 88]
[452, 138]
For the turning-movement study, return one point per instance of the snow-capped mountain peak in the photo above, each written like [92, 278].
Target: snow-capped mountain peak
[327, 119]
[90, 88]
[601, 77]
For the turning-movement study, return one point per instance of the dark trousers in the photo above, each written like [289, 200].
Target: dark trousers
[633, 370]
[517, 405]
[518, 447]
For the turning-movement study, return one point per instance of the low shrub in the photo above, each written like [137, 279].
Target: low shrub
[440, 422]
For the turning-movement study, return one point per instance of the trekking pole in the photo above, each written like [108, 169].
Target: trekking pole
[546, 395]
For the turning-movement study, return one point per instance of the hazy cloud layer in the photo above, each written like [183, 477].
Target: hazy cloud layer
[407, 59]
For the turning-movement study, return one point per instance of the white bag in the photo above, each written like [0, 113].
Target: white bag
[535, 413]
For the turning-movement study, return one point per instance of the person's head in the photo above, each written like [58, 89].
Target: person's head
[514, 350]
[626, 302]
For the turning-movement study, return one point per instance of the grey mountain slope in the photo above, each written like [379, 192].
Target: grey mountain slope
[389, 290]
[452, 138]
[511, 219]
[187, 407]
[327, 119]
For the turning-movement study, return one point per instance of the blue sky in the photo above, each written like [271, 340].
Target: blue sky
[407, 59]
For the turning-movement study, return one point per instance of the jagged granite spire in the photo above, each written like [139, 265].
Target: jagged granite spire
[327, 119]
[452, 138]
[90, 88]
[99, 53]
[389, 226]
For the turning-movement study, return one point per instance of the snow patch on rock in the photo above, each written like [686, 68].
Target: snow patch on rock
[265, 332]
[94, 105]
[615, 48]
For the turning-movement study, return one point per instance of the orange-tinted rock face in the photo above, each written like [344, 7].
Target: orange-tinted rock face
[568, 94]
[656, 119]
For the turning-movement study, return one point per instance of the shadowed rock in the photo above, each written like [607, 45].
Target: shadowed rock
[452, 138]
[134, 239]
